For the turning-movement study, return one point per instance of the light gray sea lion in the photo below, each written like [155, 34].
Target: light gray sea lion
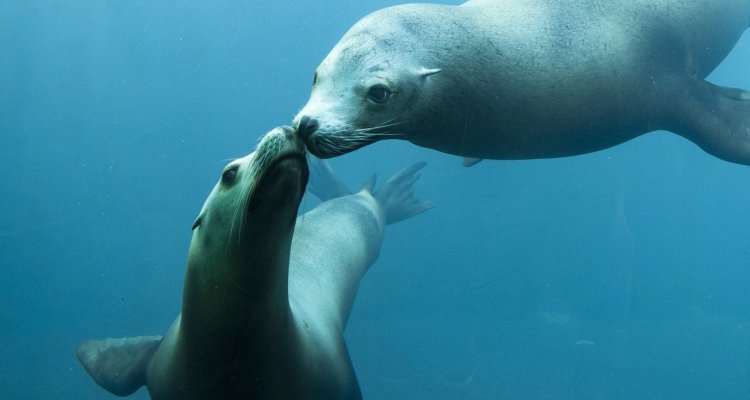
[265, 302]
[522, 79]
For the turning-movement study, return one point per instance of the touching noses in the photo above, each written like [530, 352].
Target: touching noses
[306, 127]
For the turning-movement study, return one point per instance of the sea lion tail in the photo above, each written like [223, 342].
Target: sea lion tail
[118, 365]
[397, 195]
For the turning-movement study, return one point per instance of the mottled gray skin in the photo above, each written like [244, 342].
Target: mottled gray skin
[265, 300]
[522, 79]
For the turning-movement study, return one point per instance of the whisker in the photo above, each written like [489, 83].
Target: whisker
[386, 135]
[341, 141]
[387, 124]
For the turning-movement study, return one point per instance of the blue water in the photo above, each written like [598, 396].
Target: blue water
[623, 274]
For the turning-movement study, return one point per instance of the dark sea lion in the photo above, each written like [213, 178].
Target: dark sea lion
[265, 300]
[522, 79]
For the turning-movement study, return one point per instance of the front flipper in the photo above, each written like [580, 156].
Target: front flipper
[717, 119]
[118, 365]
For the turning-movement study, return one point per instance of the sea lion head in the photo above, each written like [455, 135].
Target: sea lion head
[368, 88]
[250, 213]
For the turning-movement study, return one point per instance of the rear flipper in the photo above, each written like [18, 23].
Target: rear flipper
[717, 119]
[118, 365]
[397, 195]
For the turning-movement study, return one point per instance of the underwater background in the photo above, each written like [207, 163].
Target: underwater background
[622, 274]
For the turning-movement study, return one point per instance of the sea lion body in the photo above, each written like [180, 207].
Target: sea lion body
[265, 299]
[521, 79]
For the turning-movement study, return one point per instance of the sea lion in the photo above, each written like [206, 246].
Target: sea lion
[523, 79]
[265, 300]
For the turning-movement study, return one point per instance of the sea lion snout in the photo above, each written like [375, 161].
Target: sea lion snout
[306, 127]
[283, 132]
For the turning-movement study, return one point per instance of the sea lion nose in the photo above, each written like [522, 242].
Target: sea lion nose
[307, 126]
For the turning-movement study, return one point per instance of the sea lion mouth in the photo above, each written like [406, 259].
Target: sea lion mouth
[274, 183]
[293, 160]
[333, 144]
[325, 141]
[277, 154]
[328, 146]
[277, 194]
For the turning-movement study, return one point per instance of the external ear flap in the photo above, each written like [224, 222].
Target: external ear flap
[197, 222]
[425, 72]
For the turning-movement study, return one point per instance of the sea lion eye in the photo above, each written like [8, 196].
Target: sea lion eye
[315, 78]
[227, 178]
[378, 93]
